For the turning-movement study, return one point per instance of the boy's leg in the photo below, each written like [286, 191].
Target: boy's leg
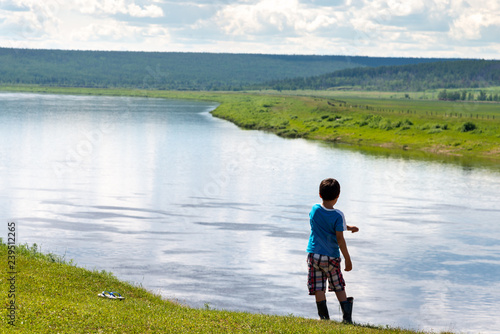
[337, 284]
[320, 296]
[346, 307]
[336, 280]
[341, 296]
[323, 310]
[317, 285]
[321, 305]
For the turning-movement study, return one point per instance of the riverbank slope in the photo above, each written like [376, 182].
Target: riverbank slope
[53, 296]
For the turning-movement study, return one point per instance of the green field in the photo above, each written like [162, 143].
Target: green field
[374, 122]
[52, 296]
[403, 101]
[385, 122]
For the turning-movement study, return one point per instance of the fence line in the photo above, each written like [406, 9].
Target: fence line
[413, 112]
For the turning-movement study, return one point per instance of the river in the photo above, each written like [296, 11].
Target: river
[162, 194]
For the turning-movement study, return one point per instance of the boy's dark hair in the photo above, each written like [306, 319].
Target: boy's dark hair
[329, 189]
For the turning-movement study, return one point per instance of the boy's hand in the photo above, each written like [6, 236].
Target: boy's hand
[353, 229]
[348, 265]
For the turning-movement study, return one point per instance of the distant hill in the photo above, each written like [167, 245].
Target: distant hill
[171, 70]
[414, 77]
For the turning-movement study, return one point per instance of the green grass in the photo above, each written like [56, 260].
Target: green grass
[352, 92]
[53, 296]
[430, 129]
[377, 122]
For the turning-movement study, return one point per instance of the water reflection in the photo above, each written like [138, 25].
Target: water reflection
[466, 163]
[162, 194]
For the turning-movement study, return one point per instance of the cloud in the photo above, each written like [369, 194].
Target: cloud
[471, 24]
[444, 28]
[378, 27]
[88, 25]
[113, 7]
[287, 17]
[407, 7]
[25, 19]
[467, 27]
[148, 11]
[116, 31]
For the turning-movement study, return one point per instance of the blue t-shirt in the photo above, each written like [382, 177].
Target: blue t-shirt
[324, 225]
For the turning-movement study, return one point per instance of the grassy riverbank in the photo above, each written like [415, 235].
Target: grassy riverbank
[453, 131]
[52, 296]
[467, 132]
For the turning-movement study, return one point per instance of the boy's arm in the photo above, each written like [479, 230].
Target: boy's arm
[343, 249]
[352, 228]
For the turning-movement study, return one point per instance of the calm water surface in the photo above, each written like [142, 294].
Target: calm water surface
[161, 193]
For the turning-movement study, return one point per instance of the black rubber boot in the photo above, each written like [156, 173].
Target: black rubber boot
[347, 310]
[323, 310]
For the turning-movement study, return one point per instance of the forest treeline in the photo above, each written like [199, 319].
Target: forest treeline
[464, 95]
[173, 70]
[450, 74]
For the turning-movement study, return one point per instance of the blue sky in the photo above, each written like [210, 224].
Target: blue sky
[403, 28]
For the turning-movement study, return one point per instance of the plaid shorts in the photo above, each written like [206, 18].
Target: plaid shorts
[322, 267]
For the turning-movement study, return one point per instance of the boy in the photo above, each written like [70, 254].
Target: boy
[325, 241]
